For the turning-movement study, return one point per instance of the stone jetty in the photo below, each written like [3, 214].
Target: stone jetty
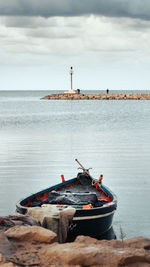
[32, 245]
[101, 96]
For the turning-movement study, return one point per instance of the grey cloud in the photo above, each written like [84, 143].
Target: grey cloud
[47, 8]
[50, 34]
[28, 22]
[41, 22]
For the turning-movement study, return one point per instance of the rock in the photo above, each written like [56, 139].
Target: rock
[31, 233]
[86, 240]
[8, 264]
[35, 246]
[6, 248]
[86, 251]
[138, 242]
[5, 263]
[98, 96]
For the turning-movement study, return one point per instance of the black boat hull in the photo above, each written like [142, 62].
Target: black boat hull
[94, 226]
[91, 222]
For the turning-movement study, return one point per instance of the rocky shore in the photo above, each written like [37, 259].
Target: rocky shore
[32, 245]
[97, 97]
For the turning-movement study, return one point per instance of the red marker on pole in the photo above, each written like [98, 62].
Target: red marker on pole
[62, 178]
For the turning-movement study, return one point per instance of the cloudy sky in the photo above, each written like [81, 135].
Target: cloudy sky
[106, 41]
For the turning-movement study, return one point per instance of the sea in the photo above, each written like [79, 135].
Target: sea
[40, 140]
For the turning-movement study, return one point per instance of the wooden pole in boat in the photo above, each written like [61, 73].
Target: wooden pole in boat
[95, 181]
[85, 170]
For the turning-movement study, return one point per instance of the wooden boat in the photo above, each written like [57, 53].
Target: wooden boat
[94, 203]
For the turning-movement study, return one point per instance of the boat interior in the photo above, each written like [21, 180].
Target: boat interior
[82, 192]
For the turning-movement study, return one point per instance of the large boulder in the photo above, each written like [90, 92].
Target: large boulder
[86, 251]
[31, 233]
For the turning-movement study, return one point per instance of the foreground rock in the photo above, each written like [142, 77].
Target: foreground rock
[32, 233]
[6, 247]
[4, 262]
[36, 246]
[86, 251]
[97, 97]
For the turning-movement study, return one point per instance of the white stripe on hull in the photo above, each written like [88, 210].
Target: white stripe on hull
[92, 217]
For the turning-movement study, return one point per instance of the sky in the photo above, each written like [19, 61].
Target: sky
[106, 41]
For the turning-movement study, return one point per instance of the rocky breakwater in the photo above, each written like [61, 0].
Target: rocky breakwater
[33, 245]
[97, 97]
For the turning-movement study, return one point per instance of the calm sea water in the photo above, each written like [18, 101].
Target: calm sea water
[39, 140]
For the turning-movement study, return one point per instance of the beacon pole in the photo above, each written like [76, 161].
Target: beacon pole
[71, 73]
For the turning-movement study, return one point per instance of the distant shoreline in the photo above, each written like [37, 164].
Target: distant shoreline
[101, 96]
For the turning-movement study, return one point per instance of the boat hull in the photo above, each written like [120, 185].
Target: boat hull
[93, 226]
[91, 222]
